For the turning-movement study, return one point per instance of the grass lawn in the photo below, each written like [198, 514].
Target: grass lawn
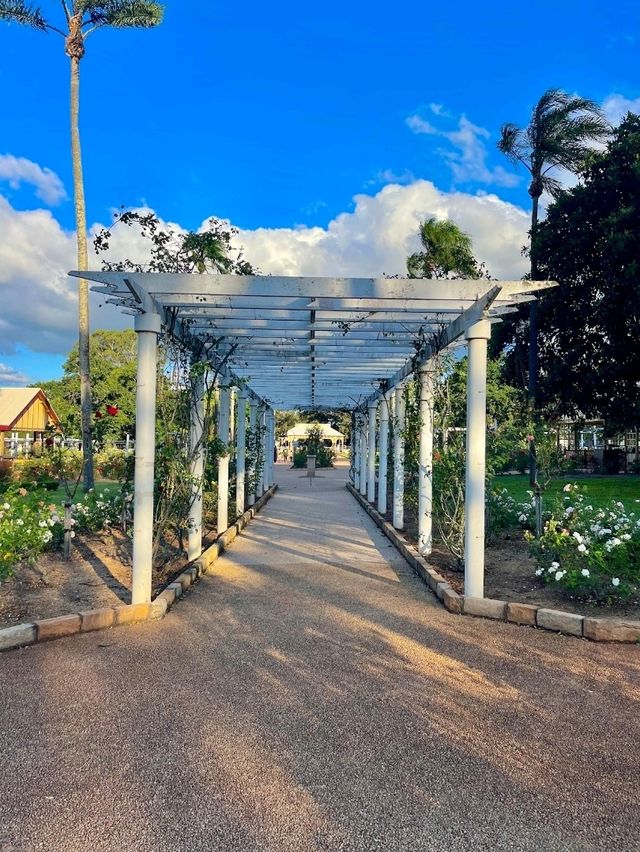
[601, 490]
[58, 497]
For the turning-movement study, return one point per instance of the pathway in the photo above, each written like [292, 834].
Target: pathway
[310, 695]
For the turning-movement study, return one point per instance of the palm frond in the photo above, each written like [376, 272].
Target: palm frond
[18, 12]
[122, 13]
[512, 142]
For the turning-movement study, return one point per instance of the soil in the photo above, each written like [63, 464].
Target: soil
[510, 576]
[97, 575]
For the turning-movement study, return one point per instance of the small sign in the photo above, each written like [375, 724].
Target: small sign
[311, 465]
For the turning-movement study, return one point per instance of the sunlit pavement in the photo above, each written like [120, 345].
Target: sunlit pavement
[312, 695]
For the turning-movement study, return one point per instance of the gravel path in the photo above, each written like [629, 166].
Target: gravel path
[312, 696]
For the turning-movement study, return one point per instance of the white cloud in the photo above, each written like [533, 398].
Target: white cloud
[615, 107]
[19, 170]
[9, 376]
[468, 154]
[40, 303]
[382, 230]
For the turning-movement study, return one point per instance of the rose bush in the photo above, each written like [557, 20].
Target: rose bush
[592, 553]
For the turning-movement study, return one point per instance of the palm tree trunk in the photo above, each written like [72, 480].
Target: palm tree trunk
[83, 286]
[533, 313]
[532, 390]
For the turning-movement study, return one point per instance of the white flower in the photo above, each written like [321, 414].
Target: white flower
[567, 487]
[577, 537]
[559, 575]
[6, 507]
[585, 572]
[47, 536]
[43, 524]
[19, 522]
[569, 511]
[555, 565]
[73, 535]
[538, 572]
[522, 518]
[615, 582]
[615, 542]
[582, 548]
[625, 537]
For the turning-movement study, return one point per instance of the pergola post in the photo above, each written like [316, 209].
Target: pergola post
[384, 455]
[196, 467]
[253, 422]
[371, 453]
[398, 458]
[355, 450]
[224, 411]
[260, 487]
[477, 336]
[269, 437]
[147, 326]
[425, 462]
[363, 455]
[241, 434]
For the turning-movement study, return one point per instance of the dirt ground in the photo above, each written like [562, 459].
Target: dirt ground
[510, 576]
[97, 575]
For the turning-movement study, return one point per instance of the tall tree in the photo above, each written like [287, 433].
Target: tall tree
[560, 135]
[447, 252]
[590, 325]
[81, 19]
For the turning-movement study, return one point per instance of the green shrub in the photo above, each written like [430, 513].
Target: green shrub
[112, 463]
[27, 527]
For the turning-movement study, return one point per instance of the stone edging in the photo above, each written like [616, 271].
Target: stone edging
[100, 619]
[558, 621]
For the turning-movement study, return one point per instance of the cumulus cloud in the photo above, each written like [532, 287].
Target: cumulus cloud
[19, 170]
[9, 376]
[382, 230]
[615, 107]
[467, 154]
[40, 302]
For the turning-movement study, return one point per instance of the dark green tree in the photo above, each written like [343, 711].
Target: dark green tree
[590, 325]
[447, 252]
[560, 135]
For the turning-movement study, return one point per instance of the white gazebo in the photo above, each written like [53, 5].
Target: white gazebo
[312, 343]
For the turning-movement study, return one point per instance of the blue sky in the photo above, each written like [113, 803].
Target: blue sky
[276, 117]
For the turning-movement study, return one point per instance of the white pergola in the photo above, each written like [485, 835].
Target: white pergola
[288, 342]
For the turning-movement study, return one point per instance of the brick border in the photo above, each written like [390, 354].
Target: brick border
[46, 629]
[557, 621]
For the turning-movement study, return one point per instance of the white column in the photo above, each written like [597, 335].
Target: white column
[260, 488]
[425, 462]
[355, 451]
[224, 406]
[196, 467]
[371, 453]
[253, 423]
[268, 449]
[398, 458]
[241, 434]
[147, 326]
[477, 335]
[384, 454]
[363, 455]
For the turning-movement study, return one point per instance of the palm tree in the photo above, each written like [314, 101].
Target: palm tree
[447, 251]
[82, 18]
[560, 135]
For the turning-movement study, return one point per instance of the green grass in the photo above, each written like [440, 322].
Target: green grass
[59, 496]
[601, 490]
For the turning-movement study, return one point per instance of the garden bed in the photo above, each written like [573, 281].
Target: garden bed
[510, 576]
[97, 575]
